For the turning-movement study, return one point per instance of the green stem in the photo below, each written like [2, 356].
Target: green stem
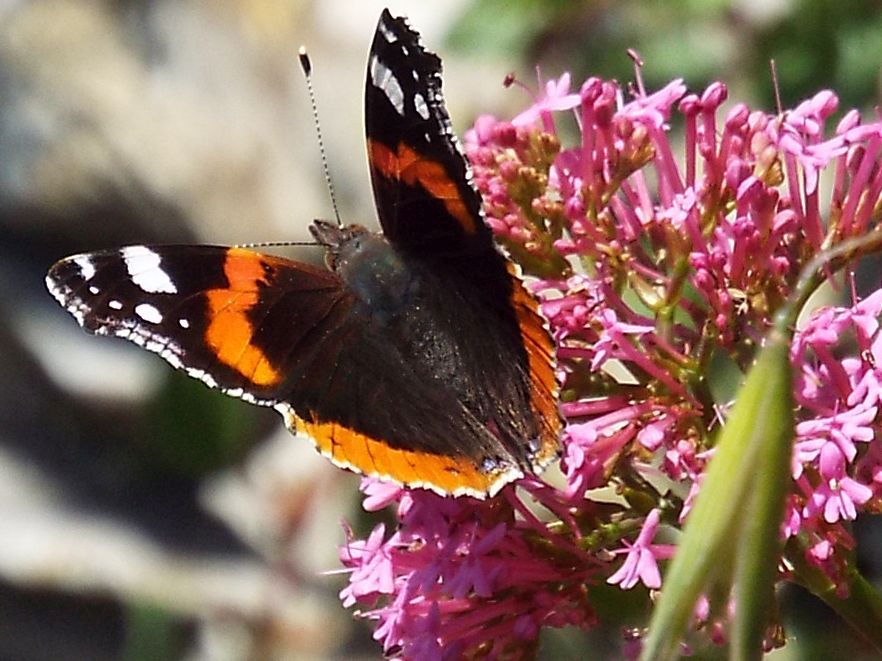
[832, 260]
[861, 608]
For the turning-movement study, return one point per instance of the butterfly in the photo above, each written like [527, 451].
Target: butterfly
[416, 356]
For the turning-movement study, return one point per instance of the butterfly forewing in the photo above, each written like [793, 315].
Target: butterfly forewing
[420, 176]
[217, 312]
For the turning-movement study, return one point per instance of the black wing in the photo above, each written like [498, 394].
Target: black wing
[431, 212]
[288, 335]
[421, 179]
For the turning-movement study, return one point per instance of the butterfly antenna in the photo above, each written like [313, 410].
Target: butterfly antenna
[306, 65]
[276, 244]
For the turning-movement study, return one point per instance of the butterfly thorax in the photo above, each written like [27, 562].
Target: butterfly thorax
[369, 265]
[411, 309]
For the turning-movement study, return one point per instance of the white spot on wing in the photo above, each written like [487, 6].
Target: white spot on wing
[387, 33]
[184, 323]
[385, 81]
[144, 268]
[87, 268]
[421, 106]
[148, 313]
[94, 290]
[115, 305]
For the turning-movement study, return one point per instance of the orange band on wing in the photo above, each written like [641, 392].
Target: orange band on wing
[408, 166]
[544, 386]
[443, 474]
[229, 331]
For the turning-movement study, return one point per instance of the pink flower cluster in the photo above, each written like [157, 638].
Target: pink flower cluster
[660, 264]
[837, 460]
[462, 575]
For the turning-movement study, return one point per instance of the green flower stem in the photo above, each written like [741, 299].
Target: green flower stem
[830, 261]
[728, 528]
[861, 609]
[759, 543]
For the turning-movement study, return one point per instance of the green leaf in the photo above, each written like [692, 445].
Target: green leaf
[731, 534]
[759, 544]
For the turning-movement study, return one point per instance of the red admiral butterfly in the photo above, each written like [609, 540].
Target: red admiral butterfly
[418, 357]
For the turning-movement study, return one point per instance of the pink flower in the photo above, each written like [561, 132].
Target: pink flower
[436, 583]
[557, 97]
[371, 560]
[379, 494]
[641, 563]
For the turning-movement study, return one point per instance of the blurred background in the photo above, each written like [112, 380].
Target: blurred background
[143, 516]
